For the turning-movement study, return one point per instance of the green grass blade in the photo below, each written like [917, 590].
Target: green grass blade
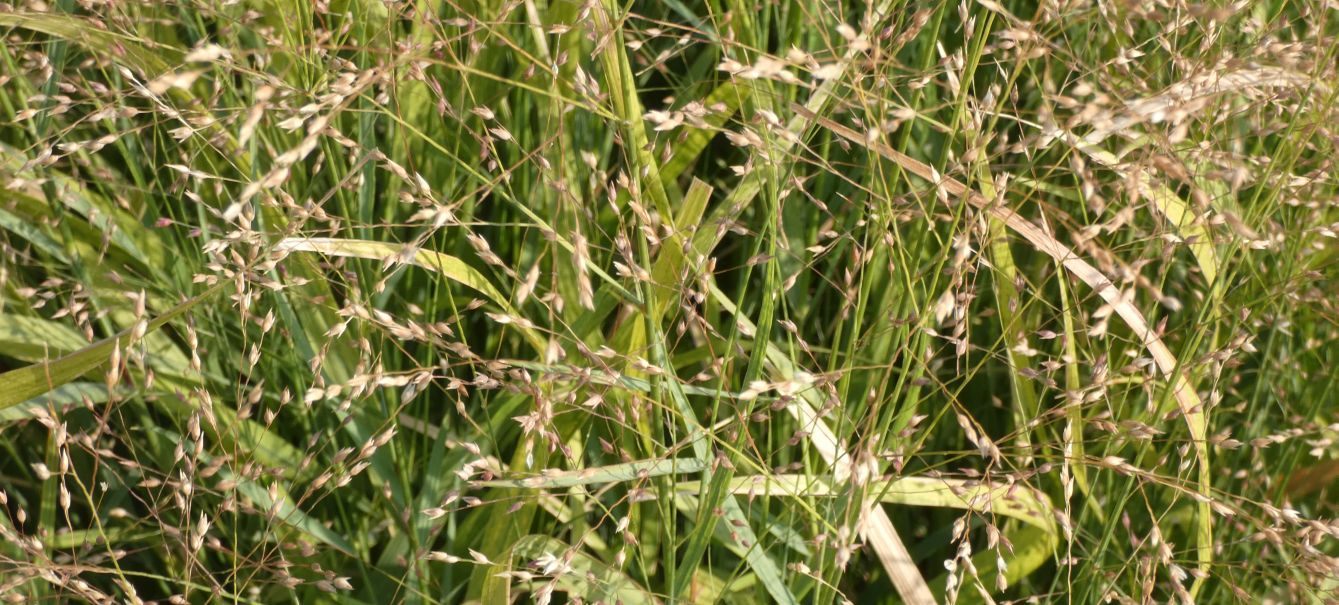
[687, 151]
[17, 386]
[629, 471]
[448, 266]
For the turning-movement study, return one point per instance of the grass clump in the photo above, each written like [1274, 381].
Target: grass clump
[800, 301]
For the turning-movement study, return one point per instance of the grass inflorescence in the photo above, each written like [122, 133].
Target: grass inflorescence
[796, 301]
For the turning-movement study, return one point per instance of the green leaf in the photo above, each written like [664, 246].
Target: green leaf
[616, 473]
[686, 151]
[286, 511]
[17, 386]
[34, 338]
[1014, 324]
[1032, 548]
[1191, 228]
[446, 265]
[87, 33]
[674, 258]
[57, 398]
[34, 235]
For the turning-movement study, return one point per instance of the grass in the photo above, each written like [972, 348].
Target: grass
[799, 301]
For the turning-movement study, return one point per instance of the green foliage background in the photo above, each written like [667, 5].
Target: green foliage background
[816, 301]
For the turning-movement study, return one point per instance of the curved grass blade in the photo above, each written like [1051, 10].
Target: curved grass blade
[614, 473]
[34, 338]
[624, 95]
[1072, 435]
[39, 240]
[1190, 227]
[448, 266]
[879, 531]
[88, 34]
[99, 219]
[273, 500]
[1012, 319]
[17, 386]
[1032, 548]
[672, 260]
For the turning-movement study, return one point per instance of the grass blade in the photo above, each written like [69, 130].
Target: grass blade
[17, 386]
[448, 266]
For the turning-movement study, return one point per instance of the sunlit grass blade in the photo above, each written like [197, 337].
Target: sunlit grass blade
[1191, 228]
[448, 266]
[1012, 312]
[629, 471]
[83, 31]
